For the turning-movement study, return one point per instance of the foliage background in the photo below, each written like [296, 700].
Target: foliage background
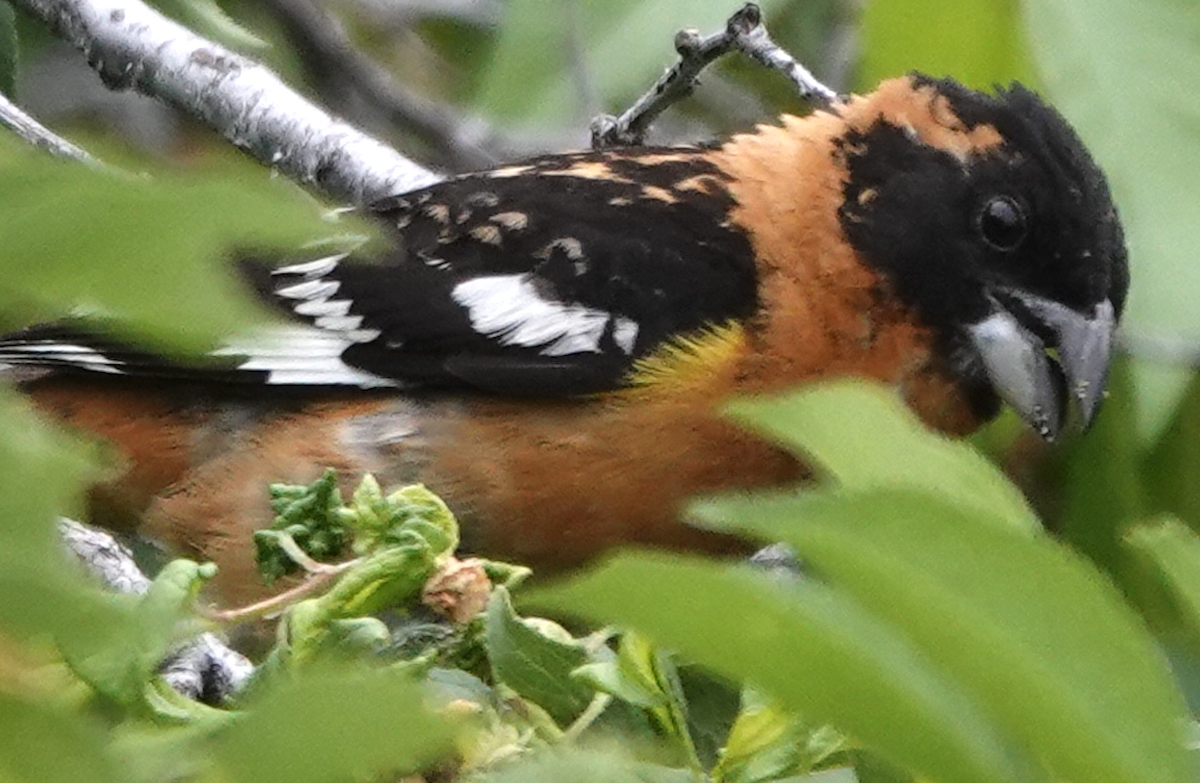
[533, 73]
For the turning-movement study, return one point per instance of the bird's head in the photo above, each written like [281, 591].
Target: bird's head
[989, 219]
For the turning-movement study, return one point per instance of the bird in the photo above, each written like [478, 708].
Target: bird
[550, 343]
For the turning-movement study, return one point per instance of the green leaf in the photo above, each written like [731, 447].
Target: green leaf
[1173, 462]
[149, 754]
[339, 620]
[624, 679]
[389, 577]
[1103, 494]
[380, 521]
[147, 253]
[124, 669]
[167, 707]
[644, 676]
[8, 49]
[812, 648]
[1174, 550]
[864, 437]
[536, 665]
[1036, 635]
[762, 728]
[562, 765]
[44, 594]
[44, 745]
[329, 727]
[979, 42]
[307, 515]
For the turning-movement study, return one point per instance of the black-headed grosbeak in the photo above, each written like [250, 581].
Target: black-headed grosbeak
[550, 344]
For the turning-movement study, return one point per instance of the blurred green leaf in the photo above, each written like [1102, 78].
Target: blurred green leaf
[1036, 635]
[9, 49]
[44, 745]
[1103, 493]
[587, 767]
[812, 648]
[1173, 462]
[1175, 550]
[1124, 74]
[527, 50]
[864, 438]
[330, 727]
[43, 594]
[979, 42]
[840, 775]
[1106, 488]
[147, 252]
[533, 663]
[123, 670]
[149, 754]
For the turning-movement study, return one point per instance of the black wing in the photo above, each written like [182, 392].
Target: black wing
[548, 277]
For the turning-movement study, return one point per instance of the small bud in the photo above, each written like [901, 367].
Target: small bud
[687, 41]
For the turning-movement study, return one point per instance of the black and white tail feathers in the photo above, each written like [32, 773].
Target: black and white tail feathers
[285, 354]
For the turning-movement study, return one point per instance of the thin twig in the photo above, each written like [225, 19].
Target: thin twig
[594, 710]
[301, 558]
[745, 33]
[32, 131]
[314, 583]
[751, 39]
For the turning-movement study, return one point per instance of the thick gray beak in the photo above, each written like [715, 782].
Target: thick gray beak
[1028, 378]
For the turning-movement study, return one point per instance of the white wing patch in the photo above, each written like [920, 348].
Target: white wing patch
[510, 308]
[310, 290]
[313, 298]
[625, 334]
[312, 269]
[301, 356]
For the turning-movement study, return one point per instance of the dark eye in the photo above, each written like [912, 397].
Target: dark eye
[1002, 222]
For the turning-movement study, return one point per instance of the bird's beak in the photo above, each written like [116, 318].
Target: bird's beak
[1036, 384]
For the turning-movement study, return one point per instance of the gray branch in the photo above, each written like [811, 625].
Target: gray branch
[203, 668]
[745, 33]
[32, 131]
[103, 557]
[135, 47]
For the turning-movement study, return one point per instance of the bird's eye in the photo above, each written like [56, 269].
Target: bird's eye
[1002, 222]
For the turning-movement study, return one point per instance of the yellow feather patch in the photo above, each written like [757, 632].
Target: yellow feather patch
[688, 361]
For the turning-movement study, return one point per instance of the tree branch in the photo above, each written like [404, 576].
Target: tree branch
[32, 131]
[745, 33]
[203, 668]
[135, 47]
[103, 557]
